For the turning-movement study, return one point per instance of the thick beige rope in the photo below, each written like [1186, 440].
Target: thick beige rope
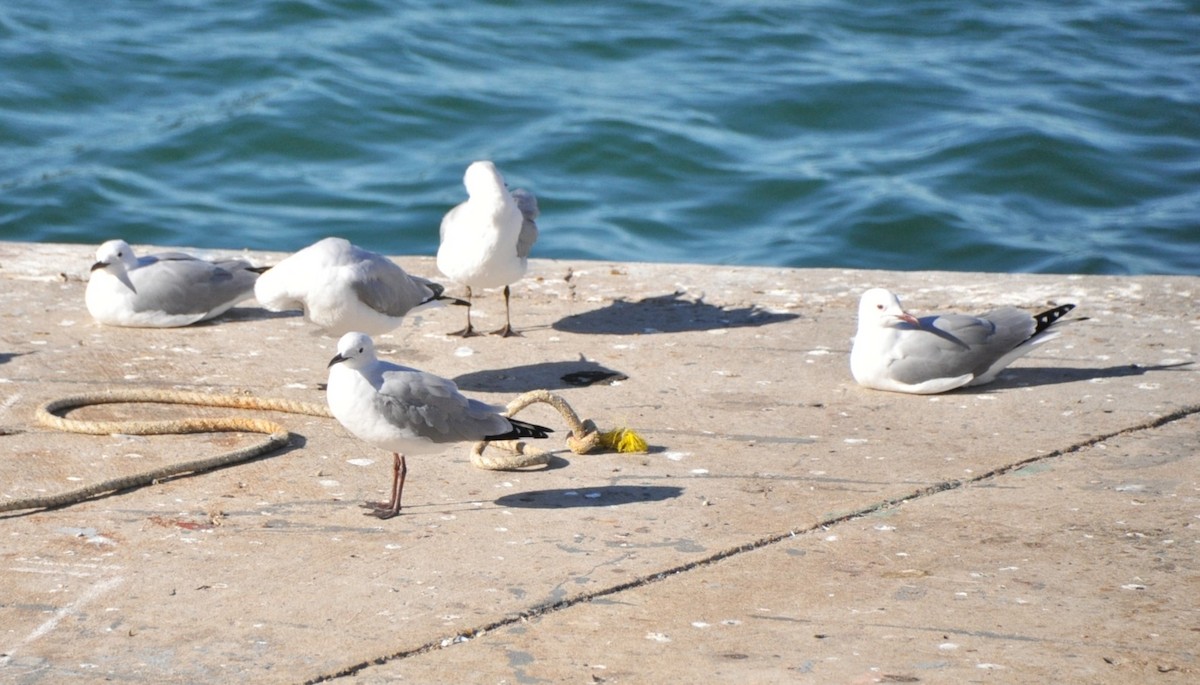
[277, 435]
[583, 435]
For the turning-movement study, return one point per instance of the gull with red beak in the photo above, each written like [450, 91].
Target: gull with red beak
[894, 350]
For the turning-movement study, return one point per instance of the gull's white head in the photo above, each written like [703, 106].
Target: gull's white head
[483, 179]
[880, 307]
[115, 255]
[116, 258]
[355, 350]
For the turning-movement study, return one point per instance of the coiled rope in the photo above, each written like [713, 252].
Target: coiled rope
[583, 436]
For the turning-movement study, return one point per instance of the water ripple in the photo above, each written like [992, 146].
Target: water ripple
[921, 135]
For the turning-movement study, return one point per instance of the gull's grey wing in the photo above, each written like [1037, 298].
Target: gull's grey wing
[432, 407]
[528, 205]
[185, 285]
[952, 345]
[235, 265]
[383, 286]
[1004, 328]
[146, 260]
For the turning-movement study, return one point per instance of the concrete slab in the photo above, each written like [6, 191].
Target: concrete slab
[1080, 568]
[738, 377]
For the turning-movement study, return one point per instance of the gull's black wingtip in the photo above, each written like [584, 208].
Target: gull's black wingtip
[1047, 318]
[523, 429]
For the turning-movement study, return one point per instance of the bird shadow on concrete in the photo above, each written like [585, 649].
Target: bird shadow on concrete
[6, 357]
[245, 314]
[1027, 377]
[665, 314]
[603, 496]
[547, 375]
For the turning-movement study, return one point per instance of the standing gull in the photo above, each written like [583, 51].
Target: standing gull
[163, 290]
[893, 350]
[408, 411]
[486, 240]
[342, 287]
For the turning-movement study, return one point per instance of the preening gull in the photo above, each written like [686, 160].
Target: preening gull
[342, 287]
[485, 241]
[894, 350]
[163, 290]
[407, 411]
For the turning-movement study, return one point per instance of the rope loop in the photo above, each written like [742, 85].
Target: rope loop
[583, 437]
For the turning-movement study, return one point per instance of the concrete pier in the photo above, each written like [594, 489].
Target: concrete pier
[785, 526]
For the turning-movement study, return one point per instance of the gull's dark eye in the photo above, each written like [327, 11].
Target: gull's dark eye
[360, 350]
[879, 307]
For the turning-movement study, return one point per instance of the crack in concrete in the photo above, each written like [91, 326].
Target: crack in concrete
[538, 611]
[1141, 647]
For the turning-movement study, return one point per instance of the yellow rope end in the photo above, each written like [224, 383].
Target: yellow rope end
[624, 441]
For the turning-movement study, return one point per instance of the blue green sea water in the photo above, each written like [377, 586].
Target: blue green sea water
[927, 134]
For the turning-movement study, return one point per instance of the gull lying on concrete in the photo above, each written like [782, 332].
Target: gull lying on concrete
[163, 290]
[408, 411]
[485, 241]
[893, 350]
[342, 287]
